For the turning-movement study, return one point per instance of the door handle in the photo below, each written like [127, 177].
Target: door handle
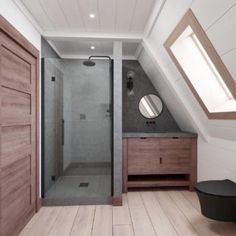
[160, 160]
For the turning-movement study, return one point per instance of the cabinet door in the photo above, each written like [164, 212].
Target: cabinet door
[143, 156]
[175, 156]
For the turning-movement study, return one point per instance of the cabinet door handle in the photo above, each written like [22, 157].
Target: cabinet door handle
[160, 160]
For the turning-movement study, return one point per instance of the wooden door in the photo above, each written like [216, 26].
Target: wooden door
[18, 130]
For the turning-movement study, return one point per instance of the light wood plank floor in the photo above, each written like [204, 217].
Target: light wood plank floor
[162, 213]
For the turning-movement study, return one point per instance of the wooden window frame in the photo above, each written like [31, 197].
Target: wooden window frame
[189, 19]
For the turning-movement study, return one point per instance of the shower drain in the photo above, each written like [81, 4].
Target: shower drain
[83, 184]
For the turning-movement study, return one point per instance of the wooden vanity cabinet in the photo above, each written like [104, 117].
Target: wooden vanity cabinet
[154, 162]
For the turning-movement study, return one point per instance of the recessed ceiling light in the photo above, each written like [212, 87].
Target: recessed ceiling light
[91, 15]
[92, 47]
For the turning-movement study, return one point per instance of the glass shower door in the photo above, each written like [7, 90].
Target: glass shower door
[52, 131]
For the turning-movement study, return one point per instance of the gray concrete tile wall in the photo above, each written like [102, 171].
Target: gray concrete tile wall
[89, 97]
[132, 119]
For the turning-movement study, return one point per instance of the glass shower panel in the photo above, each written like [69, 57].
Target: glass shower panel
[52, 123]
[77, 131]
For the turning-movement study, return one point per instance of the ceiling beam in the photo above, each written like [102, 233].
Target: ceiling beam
[153, 17]
[96, 36]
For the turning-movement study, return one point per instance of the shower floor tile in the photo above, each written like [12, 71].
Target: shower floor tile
[69, 187]
[74, 171]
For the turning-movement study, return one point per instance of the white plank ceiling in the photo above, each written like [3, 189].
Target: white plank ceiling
[80, 48]
[111, 16]
[59, 19]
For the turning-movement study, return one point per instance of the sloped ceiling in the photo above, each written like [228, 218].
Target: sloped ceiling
[219, 24]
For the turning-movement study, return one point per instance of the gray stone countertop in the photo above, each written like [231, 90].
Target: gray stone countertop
[157, 135]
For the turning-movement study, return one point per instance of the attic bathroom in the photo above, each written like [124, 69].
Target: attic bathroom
[117, 117]
[78, 126]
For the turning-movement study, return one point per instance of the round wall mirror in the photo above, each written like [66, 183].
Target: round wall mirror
[150, 106]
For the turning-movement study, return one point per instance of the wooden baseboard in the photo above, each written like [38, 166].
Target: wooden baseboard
[117, 200]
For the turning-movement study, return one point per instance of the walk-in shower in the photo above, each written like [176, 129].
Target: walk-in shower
[77, 130]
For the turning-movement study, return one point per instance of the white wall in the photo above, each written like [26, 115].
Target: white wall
[217, 141]
[9, 11]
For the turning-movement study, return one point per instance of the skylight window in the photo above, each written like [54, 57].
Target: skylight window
[202, 68]
[202, 73]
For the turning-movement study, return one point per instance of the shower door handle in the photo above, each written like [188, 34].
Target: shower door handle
[62, 131]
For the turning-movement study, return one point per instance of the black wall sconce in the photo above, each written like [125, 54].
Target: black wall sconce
[130, 83]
